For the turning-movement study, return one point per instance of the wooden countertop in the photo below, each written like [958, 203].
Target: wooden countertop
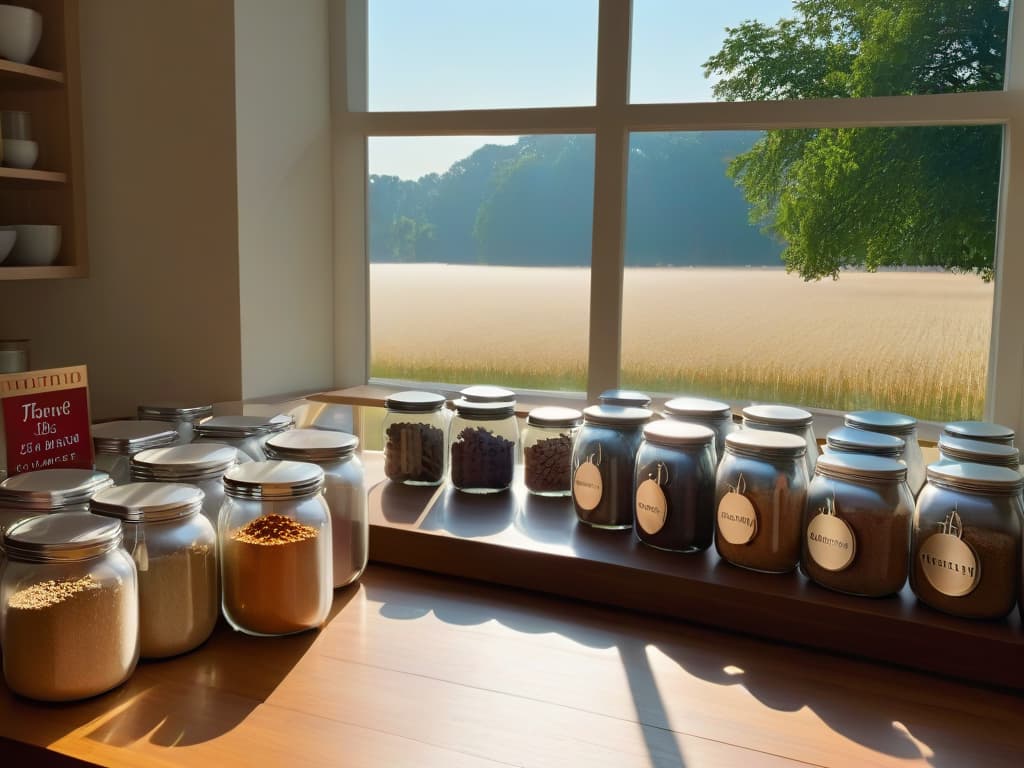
[421, 670]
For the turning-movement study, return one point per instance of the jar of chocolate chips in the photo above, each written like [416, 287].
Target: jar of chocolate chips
[483, 444]
[966, 540]
[547, 449]
[415, 433]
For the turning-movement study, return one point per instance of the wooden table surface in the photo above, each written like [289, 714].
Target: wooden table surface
[422, 670]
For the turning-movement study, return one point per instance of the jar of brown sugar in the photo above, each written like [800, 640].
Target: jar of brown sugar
[857, 524]
[785, 418]
[275, 547]
[965, 546]
[760, 491]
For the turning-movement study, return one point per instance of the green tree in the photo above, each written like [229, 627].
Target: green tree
[871, 196]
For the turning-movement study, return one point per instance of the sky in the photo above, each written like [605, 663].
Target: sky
[485, 54]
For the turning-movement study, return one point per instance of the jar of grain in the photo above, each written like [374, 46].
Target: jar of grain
[857, 524]
[246, 433]
[48, 490]
[603, 463]
[275, 548]
[199, 464]
[675, 486]
[985, 431]
[487, 393]
[547, 449]
[69, 597]
[850, 440]
[624, 398]
[415, 438]
[183, 417]
[898, 425]
[175, 553]
[344, 489]
[712, 414]
[117, 441]
[760, 491]
[785, 418]
[956, 450]
[966, 540]
[482, 446]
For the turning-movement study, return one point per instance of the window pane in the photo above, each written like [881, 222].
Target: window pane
[481, 54]
[751, 50]
[710, 309]
[481, 273]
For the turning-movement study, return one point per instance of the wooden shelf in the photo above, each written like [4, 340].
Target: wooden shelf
[14, 75]
[32, 175]
[40, 273]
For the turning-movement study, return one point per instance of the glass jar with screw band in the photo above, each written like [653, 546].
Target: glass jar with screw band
[117, 441]
[183, 417]
[712, 414]
[850, 440]
[985, 431]
[48, 490]
[899, 425]
[483, 444]
[415, 438]
[246, 433]
[547, 449]
[199, 464]
[956, 450]
[785, 418]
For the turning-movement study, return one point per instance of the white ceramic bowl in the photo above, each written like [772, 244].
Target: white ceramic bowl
[38, 245]
[19, 153]
[20, 30]
[7, 238]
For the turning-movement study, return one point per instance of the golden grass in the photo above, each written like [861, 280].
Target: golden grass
[916, 342]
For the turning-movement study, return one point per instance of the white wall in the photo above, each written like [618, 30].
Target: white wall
[284, 196]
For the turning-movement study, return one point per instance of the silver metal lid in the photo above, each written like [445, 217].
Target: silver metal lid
[667, 432]
[881, 421]
[486, 393]
[191, 462]
[979, 451]
[148, 502]
[758, 443]
[236, 427]
[982, 479]
[777, 415]
[697, 408]
[52, 489]
[851, 440]
[860, 466]
[273, 480]
[61, 537]
[174, 412]
[626, 398]
[320, 446]
[616, 415]
[415, 401]
[980, 430]
[128, 437]
[555, 417]
[479, 409]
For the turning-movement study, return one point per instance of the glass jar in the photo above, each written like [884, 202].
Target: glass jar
[183, 417]
[487, 393]
[898, 425]
[857, 524]
[850, 440]
[344, 490]
[712, 414]
[675, 486]
[117, 441]
[624, 398]
[760, 492]
[483, 443]
[416, 438]
[199, 464]
[246, 433]
[70, 608]
[175, 553]
[785, 418]
[955, 450]
[547, 449]
[275, 548]
[985, 431]
[965, 546]
[603, 463]
[48, 490]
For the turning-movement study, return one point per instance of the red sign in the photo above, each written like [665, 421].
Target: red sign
[46, 420]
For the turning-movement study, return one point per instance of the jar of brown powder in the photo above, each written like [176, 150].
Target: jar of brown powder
[275, 546]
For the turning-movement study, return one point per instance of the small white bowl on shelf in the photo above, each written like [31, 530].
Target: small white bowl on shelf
[37, 245]
[7, 238]
[20, 31]
[20, 153]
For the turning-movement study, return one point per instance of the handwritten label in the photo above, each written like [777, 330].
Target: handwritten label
[737, 519]
[651, 507]
[830, 542]
[587, 487]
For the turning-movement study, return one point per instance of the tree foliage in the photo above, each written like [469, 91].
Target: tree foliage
[871, 196]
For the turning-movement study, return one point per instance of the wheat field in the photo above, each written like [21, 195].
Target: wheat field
[915, 342]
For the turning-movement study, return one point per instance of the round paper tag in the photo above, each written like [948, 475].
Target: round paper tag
[737, 519]
[587, 486]
[831, 542]
[949, 565]
[651, 507]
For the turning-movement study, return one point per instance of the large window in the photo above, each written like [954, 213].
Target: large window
[591, 194]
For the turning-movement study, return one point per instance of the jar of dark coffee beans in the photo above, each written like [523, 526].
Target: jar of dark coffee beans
[415, 431]
[483, 446]
[547, 450]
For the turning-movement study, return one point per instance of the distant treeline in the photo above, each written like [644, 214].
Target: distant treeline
[530, 204]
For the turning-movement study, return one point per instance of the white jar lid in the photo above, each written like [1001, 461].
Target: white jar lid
[315, 445]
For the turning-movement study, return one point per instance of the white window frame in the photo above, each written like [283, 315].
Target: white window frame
[611, 120]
